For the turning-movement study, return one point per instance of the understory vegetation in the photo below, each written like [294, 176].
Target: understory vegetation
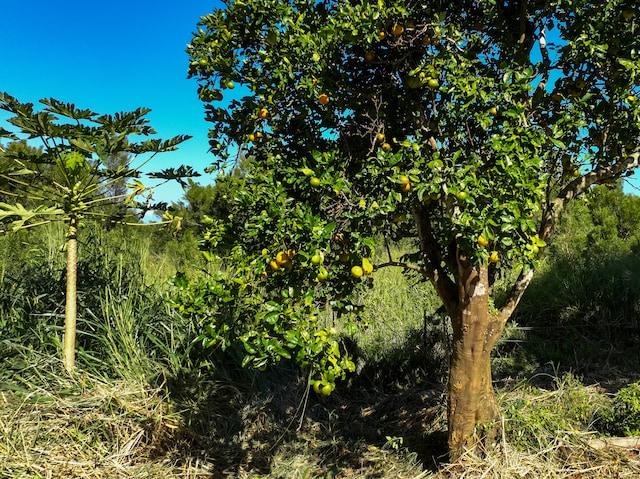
[148, 401]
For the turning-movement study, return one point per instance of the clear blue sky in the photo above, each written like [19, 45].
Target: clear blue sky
[110, 56]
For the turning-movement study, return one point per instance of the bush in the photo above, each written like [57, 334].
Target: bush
[622, 417]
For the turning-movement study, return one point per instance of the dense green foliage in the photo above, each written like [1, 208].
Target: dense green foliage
[463, 127]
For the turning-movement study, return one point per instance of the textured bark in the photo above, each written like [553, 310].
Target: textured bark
[70, 312]
[473, 413]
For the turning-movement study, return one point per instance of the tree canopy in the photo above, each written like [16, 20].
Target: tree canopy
[466, 126]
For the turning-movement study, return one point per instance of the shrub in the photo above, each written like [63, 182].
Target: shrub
[622, 417]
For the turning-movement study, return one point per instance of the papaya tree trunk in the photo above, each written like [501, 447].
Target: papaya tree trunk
[473, 412]
[70, 312]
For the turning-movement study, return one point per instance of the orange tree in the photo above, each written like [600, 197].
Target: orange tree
[465, 125]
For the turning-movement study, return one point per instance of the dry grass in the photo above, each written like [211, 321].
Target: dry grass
[106, 430]
[91, 428]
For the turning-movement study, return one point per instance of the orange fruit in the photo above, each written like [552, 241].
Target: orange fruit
[397, 30]
[263, 113]
[482, 241]
[386, 147]
[326, 389]
[367, 267]
[357, 272]
[323, 274]
[494, 257]
[323, 99]
[282, 257]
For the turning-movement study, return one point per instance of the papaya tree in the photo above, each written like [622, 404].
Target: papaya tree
[69, 174]
[467, 126]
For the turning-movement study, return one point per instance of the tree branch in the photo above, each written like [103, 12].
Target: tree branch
[552, 214]
[433, 270]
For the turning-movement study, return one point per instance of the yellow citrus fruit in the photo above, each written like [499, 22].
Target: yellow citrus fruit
[404, 180]
[315, 181]
[252, 137]
[380, 137]
[274, 265]
[323, 99]
[357, 272]
[493, 111]
[405, 187]
[317, 385]
[316, 259]
[326, 389]
[494, 257]
[263, 113]
[397, 30]
[386, 147]
[382, 35]
[323, 274]
[482, 241]
[433, 83]
[367, 267]
[282, 257]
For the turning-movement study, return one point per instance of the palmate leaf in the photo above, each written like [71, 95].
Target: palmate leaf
[7, 134]
[132, 122]
[177, 174]
[68, 110]
[23, 214]
[12, 105]
[157, 146]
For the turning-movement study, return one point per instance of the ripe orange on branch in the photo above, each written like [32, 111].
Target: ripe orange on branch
[323, 99]
[397, 30]
[357, 272]
[482, 241]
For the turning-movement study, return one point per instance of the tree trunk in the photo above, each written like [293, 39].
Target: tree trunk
[473, 413]
[70, 312]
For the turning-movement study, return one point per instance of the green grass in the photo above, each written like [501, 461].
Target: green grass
[146, 401]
